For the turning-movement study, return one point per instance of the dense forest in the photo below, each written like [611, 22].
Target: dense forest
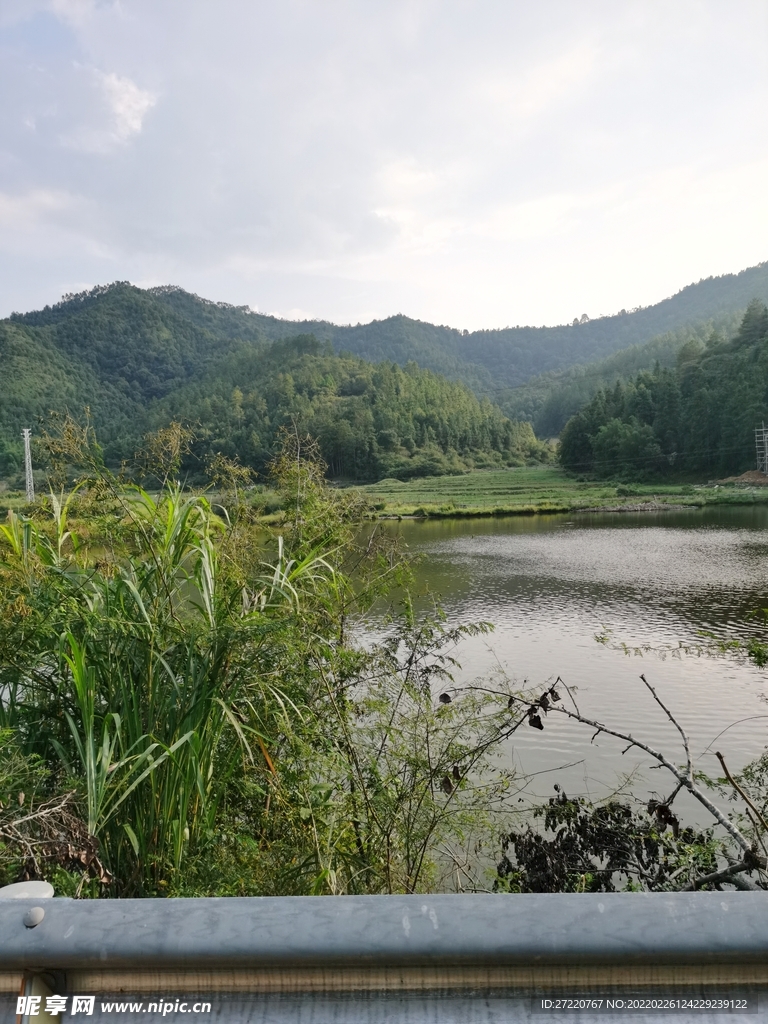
[134, 356]
[549, 400]
[697, 417]
[115, 351]
[137, 363]
[490, 360]
[119, 348]
[371, 420]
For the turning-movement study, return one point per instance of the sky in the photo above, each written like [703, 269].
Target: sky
[477, 164]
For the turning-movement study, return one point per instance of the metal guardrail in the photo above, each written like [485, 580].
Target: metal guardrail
[387, 930]
[391, 958]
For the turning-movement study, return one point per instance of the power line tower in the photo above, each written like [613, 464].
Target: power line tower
[27, 434]
[761, 447]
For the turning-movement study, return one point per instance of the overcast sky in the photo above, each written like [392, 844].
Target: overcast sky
[478, 164]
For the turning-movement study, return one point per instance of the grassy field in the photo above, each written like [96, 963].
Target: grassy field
[519, 491]
[532, 489]
[15, 500]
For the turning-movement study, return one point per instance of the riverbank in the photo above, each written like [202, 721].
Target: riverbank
[523, 490]
[532, 490]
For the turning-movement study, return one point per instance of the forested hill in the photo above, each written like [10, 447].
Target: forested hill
[490, 360]
[372, 420]
[123, 350]
[137, 362]
[550, 399]
[398, 338]
[485, 360]
[698, 417]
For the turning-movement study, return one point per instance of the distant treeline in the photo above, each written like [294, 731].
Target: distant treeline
[138, 360]
[698, 417]
[372, 420]
[119, 348]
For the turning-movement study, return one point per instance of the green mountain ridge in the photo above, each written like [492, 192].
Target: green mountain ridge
[549, 400]
[134, 356]
[372, 420]
[137, 362]
[507, 357]
[488, 360]
[698, 417]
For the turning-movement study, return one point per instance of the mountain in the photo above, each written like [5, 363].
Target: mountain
[489, 361]
[372, 420]
[698, 417]
[549, 400]
[137, 361]
[123, 351]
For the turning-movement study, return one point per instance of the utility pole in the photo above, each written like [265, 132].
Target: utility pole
[27, 434]
[761, 448]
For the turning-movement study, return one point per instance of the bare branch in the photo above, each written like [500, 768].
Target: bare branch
[573, 699]
[676, 724]
[740, 791]
[683, 778]
[46, 809]
[675, 791]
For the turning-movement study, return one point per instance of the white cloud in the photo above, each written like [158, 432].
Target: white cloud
[107, 114]
[128, 103]
[521, 94]
[549, 216]
[296, 314]
[77, 12]
[33, 208]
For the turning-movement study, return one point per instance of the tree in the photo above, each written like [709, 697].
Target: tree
[626, 450]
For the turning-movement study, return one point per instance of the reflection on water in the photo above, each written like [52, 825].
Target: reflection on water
[551, 583]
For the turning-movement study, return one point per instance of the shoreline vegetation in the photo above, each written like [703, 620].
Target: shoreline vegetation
[516, 491]
[188, 709]
[544, 490]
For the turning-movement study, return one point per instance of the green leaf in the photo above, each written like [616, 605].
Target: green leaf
[132, 836]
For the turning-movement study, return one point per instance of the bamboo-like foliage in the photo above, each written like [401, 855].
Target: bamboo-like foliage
[146, 669]
[197, 685]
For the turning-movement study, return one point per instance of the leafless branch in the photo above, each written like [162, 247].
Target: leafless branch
[676, 724]
[682, 777]
[674, 793]
[740, 791]
[570, 694]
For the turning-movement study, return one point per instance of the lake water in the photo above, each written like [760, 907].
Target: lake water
[549, 584]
